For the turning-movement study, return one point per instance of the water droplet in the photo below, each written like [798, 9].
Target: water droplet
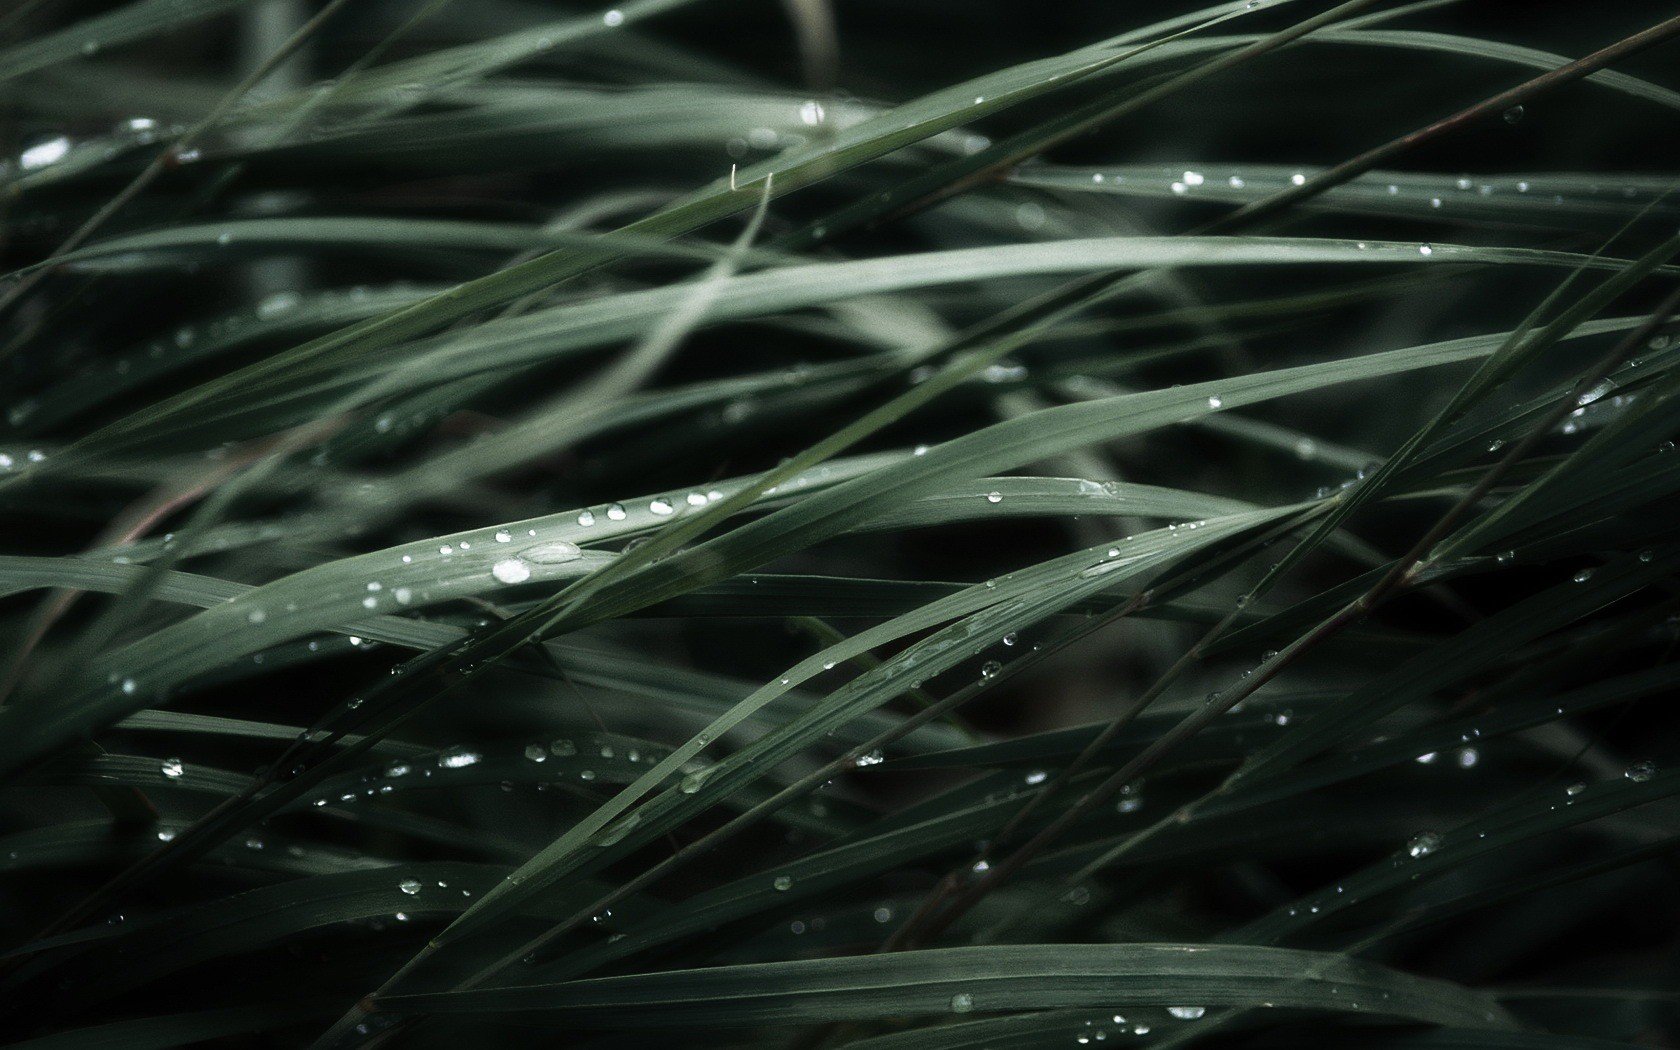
[1009, 639]
[1514, 114]
[1574, 789]
[1424, 844]
[616, 512]
[1583, 576]
[535, 753]
[586, 518]
[1037, 776]
[1640, 772]
[1215, 402]
[811, 113]
[994, 497]
[410, 887]
[991, 669]
[1424, 249]
[661, 506]
[172, 768]
[555, 553]
[782, 882]
[962, 1003]
[44, 153]
[873, 758]
[511, 570]
[615, 17]
[1187, 1013]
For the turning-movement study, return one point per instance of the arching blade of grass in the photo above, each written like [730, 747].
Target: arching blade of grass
[124, 25]
[981, 979]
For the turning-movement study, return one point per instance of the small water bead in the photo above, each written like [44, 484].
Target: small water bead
[459, 759]
[883, 914]
[1468, 757]
[1193, 178]
[1640, 772]
[129, 685]
[556, 553]
[1514, 115]
[256, 616]
[1428, 757]
[612, 18]
[44, 153]
[661, 506]
[1037, 776]
[1583, 576]
[1236, 182]
[1424, 249]
[994, 497]
[562, 748]
[616, 512]
[811, 113]
[172, 768]
[1424, 844]
[535, 753]
[1574, 789]
[782, 883]
[511, 570]
[873, 758]
[962, 1003]
[1215, 402]
[1187, 1013]
[410, 887]
[991, 669]
[1298, 179]
[1009, 639]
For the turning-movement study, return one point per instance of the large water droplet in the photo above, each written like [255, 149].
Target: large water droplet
[1423, 844]
[1640, 772]
[555, 553]
[511, 570]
